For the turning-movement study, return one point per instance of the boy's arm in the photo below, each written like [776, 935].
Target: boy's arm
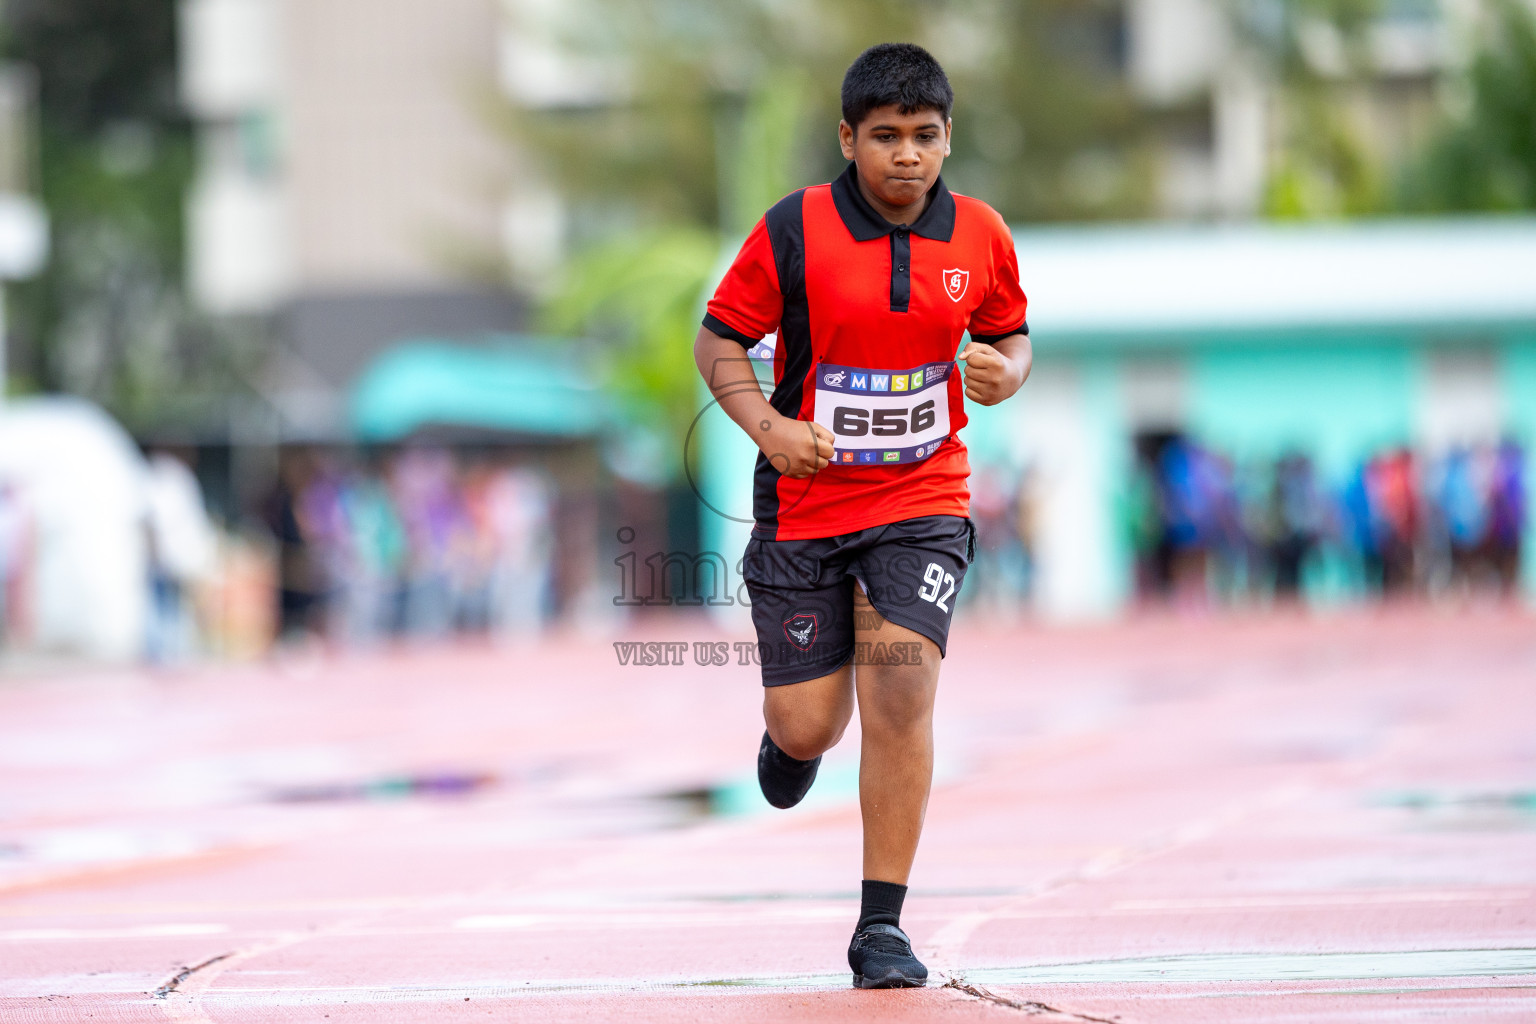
[796, 448]
[994, 372]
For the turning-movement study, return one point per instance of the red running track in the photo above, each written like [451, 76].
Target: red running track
[1267, 819]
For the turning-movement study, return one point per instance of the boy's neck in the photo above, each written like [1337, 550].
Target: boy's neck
[907, 215]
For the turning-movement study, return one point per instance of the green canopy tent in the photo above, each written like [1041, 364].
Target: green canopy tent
[517, 386]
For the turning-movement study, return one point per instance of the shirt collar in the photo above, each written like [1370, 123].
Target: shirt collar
[937, 221]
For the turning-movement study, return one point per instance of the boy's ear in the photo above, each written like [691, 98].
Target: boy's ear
[949, 133]
[845, 139]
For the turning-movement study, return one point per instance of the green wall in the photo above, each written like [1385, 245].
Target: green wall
[1337, 401]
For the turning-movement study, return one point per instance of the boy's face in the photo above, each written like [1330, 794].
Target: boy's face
[898, 155]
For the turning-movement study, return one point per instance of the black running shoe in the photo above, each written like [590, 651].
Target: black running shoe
[881, 957]
[784, 780]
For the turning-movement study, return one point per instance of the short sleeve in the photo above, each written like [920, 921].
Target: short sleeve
[748, 304]
[1002, 312]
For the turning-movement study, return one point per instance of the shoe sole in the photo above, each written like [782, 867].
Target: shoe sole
[892, 979]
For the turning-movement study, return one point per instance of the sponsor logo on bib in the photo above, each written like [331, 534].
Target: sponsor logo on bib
[835, 379]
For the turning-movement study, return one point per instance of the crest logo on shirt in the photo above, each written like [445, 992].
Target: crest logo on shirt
[801, 630]
[955, 282]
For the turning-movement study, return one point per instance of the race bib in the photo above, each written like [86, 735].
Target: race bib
[878, 417]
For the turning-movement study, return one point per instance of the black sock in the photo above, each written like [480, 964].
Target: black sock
[881, 904]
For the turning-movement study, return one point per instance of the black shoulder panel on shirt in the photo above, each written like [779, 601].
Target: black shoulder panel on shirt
[786, 233]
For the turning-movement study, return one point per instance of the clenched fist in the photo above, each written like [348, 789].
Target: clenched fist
[796, 448]
[993, 374]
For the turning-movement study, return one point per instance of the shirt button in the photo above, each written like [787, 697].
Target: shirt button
[902, 267]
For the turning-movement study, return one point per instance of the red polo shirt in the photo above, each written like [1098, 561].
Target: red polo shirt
[869, 316]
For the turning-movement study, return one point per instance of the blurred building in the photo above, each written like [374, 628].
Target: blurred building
[1330, 342]
[23, 223]
[1211, 74]
[1299, 360]
[356, 190]
[351, 180]
[355, 199]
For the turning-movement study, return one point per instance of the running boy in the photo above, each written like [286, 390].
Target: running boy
[862, 534]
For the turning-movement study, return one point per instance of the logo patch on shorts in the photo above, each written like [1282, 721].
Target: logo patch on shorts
[801, 630]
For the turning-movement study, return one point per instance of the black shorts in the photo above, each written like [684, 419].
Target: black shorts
[802, 591]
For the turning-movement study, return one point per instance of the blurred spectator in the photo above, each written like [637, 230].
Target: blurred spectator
[1392, 488]
[1507, 515]
[411, 545]
[1202, 528]
[373, 540]
[1189, 498]
[1297, 523]
[516, 523]
[1359, 532]
[13, 551]
[432, 512]
[300, 586]
[1001, 509]
[181, 555]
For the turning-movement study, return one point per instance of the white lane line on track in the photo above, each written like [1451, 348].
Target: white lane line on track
[1423, 965]
[1226, 967]
[1323, 899]
[227, 996]
[150, 931]
[623, 918]
[102, 983]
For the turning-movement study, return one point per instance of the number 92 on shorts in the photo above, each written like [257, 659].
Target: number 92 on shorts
[878, 417]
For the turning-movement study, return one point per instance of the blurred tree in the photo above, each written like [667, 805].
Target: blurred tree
[1484, 156]
[1037, 87]
[106, 318]
[718, 109]
[1318, 55]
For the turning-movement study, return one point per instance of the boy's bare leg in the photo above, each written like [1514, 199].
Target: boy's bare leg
[807, 719]
[896, 760]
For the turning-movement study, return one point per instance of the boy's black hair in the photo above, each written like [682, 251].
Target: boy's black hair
[900, 74]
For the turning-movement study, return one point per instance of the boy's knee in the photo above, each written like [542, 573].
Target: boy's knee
[897, 702]
[805, 740]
